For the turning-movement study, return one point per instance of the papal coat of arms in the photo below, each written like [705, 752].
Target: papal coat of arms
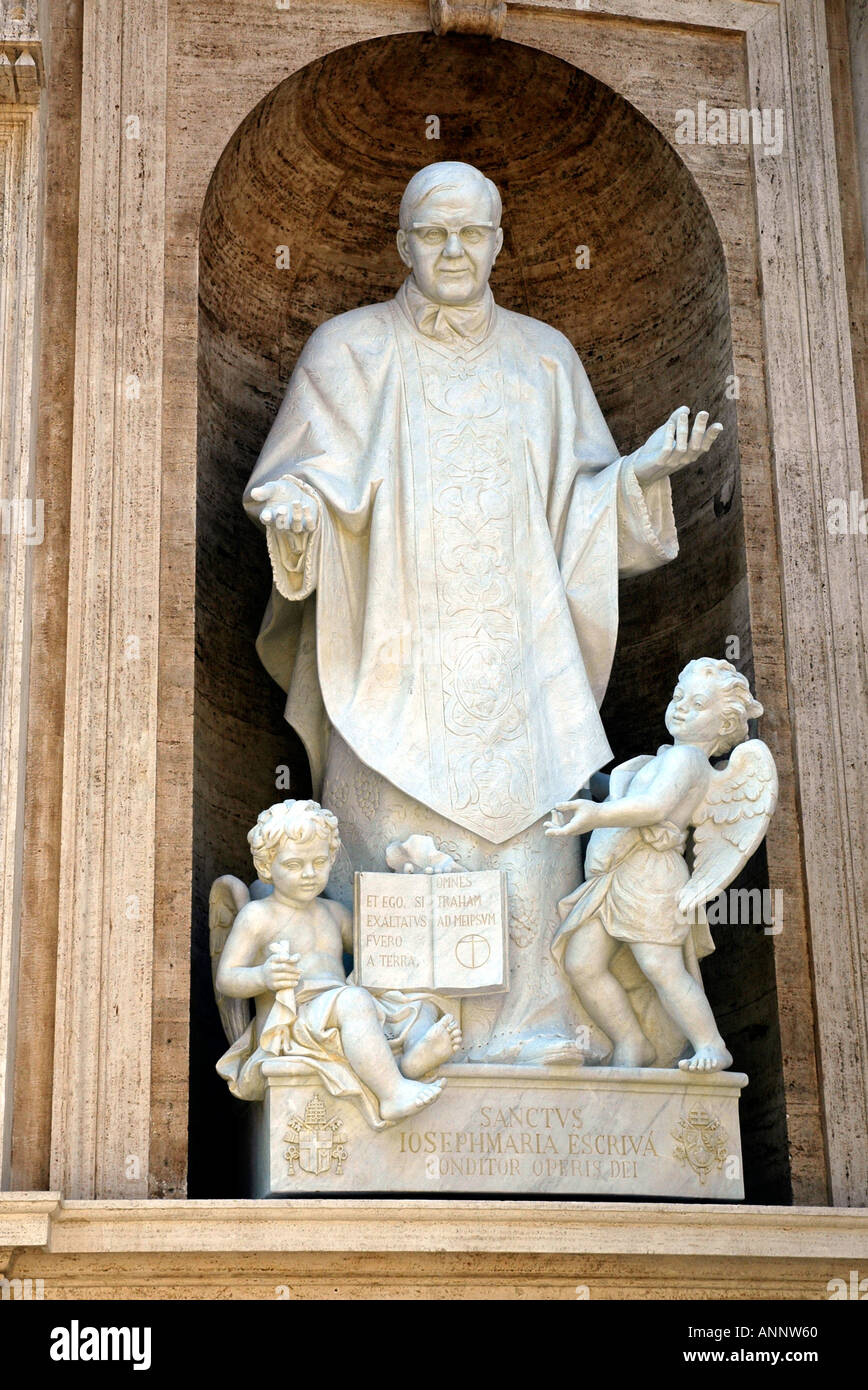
[314, 1142]
[701, 1142]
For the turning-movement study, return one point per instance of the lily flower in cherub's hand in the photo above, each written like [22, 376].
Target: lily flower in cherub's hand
[420, 854]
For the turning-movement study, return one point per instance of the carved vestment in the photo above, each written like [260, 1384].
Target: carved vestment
[474, 517]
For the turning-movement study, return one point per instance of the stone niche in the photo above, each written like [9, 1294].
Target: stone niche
[318, 168]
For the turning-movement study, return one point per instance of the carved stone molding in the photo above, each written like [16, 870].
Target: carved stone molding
[101, 1096]
[21, 525]
[468, 17]
[22, 71]
[418, 1248]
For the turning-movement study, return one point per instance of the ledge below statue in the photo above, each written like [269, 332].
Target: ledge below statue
[580, 1131]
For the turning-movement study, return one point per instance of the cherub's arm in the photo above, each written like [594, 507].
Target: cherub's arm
[672, 780]
[622, 775]
[674, 777]
[237, 977]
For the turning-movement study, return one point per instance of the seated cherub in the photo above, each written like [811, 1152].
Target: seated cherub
[638, 888]
[285, 950]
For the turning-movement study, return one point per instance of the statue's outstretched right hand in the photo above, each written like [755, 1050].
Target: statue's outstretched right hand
[287, 508]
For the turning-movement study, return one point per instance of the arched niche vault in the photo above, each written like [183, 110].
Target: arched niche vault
[318, 168]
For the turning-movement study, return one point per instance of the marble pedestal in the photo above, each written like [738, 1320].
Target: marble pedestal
[580, 1131]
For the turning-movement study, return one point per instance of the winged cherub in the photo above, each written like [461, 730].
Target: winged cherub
[638, 888]
[282, 946]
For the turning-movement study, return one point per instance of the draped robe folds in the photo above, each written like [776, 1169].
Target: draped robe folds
[449, 637]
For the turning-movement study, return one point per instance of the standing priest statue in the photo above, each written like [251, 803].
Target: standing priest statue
[447, 516]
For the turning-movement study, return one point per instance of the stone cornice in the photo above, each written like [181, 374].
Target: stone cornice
[46, 1221]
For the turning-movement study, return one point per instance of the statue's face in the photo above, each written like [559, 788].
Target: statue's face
[452, 245]
[697, 711]
[300, 871]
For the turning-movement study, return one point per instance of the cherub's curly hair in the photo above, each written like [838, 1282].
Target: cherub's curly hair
[290, 820]
[738, 704]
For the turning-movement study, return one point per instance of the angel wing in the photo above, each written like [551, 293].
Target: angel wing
[731, 821]
[227, 897]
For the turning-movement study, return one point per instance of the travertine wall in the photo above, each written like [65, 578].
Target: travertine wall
[52, 415]
[22, 521]
[106, 882]
[857, 44]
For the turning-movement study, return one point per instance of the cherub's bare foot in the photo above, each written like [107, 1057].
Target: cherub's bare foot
[408, 1097]
[435, 1047]
[707, 1059]
[634, 1054]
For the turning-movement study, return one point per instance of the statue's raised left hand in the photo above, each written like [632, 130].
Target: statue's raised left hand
[674, 445]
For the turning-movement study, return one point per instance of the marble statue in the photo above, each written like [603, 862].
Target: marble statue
[639, 891]
[283, 948]
[447, 517]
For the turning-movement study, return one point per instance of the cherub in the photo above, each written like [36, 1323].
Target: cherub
[638, 888]
[285, 951]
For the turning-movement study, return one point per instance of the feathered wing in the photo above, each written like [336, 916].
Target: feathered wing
[731, 822]
[227, 897]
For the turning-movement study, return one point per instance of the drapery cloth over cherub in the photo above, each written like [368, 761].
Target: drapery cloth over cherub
[302, 1024]
[474, 518]
[313, 1038]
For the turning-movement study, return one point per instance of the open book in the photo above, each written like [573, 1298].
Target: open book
[442, 932]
